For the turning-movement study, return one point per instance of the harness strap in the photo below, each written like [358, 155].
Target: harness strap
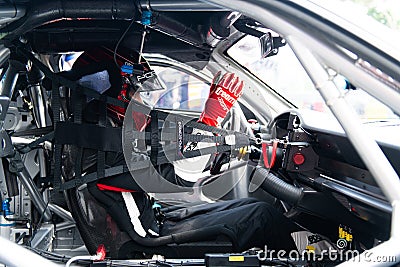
[73, 85]
[34, 144]
[134, 213]
[101, 154]
[108, 172]
[56, 106]
[34, 132]
[89, 136]
[207, 128]
[110, 138]
[155, 142]
[78, 100]
[67, 133]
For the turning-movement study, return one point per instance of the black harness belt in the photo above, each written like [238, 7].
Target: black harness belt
[172, 130]
[89, 136]
[108, 172]
[176, 135]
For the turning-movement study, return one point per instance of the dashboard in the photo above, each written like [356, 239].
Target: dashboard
[338, 188]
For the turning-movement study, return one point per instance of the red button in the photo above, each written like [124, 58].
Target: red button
[298, 158]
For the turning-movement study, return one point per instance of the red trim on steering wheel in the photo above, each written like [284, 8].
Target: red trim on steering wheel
[265, 154]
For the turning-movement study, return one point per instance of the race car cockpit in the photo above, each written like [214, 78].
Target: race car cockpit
[171, 133]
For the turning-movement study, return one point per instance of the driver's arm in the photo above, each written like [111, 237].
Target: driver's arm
[224, 92]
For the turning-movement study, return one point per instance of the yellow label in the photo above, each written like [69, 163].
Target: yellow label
[341, 233]
[349, 237]
[236, 258]
[310, 249]
[345, 235]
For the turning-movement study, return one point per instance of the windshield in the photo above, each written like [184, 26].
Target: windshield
[386, 12]
[286, 76]
[376, 21]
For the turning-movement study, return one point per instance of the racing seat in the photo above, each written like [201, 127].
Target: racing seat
[121, 239]
[178, 232]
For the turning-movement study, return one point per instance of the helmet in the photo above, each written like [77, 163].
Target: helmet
[124, 64]
[119, 76]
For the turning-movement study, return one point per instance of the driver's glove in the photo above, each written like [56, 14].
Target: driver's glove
[224, 92]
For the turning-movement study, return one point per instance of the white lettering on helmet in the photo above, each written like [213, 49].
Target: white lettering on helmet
[146, 75]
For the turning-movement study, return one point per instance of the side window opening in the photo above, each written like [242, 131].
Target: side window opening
[182, 92]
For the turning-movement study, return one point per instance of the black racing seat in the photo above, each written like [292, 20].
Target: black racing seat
[87, 200]
[102, 218]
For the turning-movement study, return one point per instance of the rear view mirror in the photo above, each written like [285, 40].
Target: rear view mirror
[269, 45]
